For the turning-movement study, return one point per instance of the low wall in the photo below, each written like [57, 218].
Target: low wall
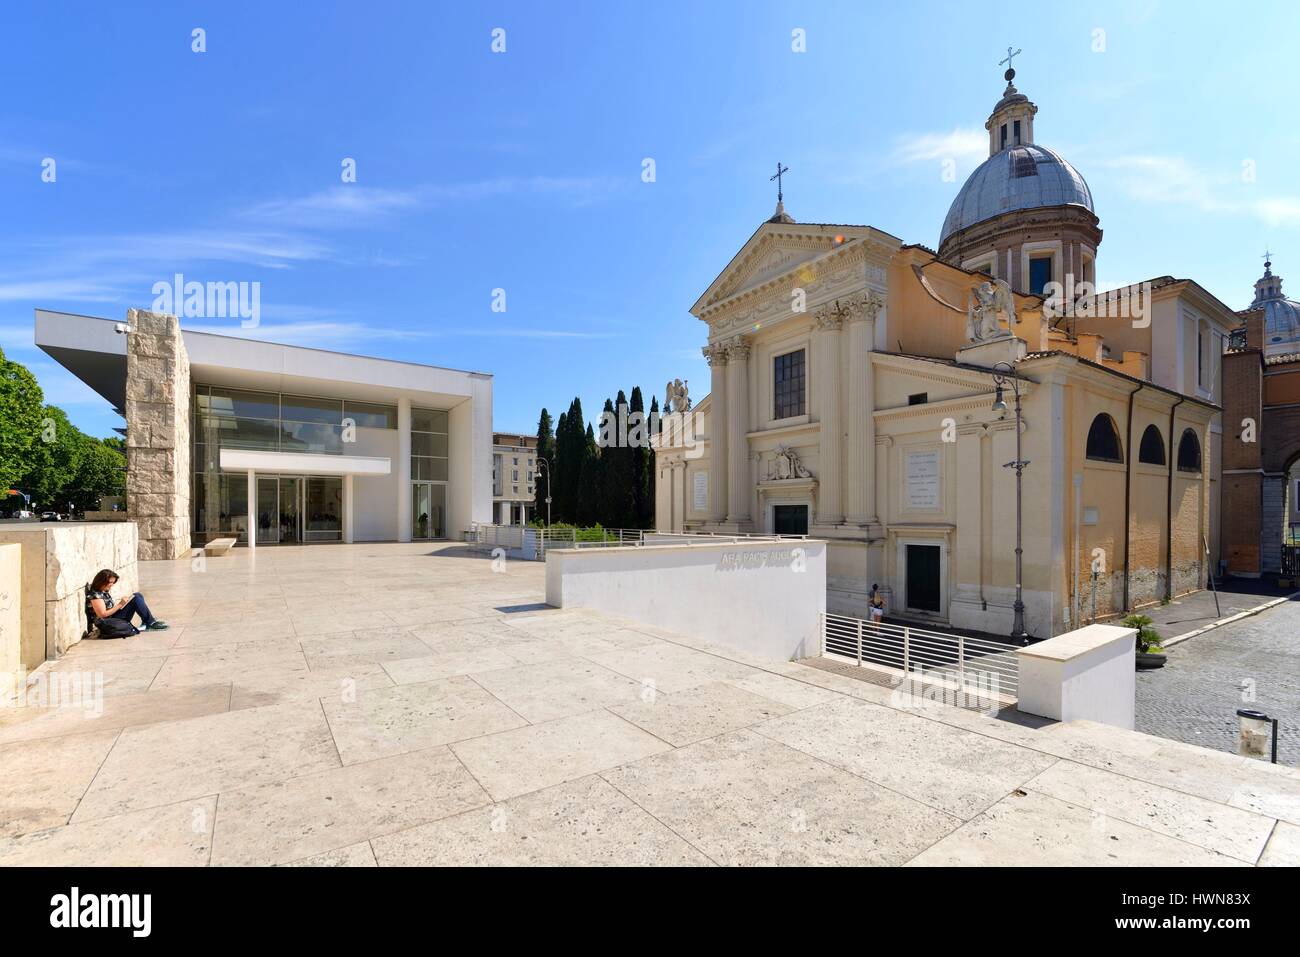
[1085, 674]
[761, 597]
[11, 570]
[58, 562]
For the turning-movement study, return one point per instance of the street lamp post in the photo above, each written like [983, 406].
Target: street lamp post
[1000, 379]
[540, 462]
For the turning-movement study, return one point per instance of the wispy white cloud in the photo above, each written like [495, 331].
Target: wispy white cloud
[64, 290]
[351, 204]
[1172, 180]
[963, 145]
[331, 333]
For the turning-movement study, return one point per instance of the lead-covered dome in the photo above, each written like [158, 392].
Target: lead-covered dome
[1022, 177]
[1281, 315]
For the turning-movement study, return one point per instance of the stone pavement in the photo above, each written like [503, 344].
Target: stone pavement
[403, 704]
[1253, 662]
[1198, 609]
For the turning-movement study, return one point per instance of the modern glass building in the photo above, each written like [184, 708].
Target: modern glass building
[299, 445]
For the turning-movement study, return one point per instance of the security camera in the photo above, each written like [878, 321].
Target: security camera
[121, 328]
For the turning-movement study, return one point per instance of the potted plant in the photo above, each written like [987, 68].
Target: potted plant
[1149, 652]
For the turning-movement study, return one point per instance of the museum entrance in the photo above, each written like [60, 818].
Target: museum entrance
[922, 591]
[299, 509]
[428, 510]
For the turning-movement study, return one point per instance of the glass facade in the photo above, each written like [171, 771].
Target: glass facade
[428, 474]
[290, 508]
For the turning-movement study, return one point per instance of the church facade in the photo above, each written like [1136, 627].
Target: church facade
[863, 391]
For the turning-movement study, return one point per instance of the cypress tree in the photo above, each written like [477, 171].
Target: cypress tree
[542, 475]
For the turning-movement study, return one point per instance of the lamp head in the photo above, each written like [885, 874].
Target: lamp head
[999, 403]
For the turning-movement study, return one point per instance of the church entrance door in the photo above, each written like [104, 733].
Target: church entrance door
[923, 578]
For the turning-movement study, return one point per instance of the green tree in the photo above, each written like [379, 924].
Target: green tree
[20, 421]
[100, 472]
[618, 484]
[545, 450]
[648, 505]
[587, 498]
[53, 460]
[570, 452]
[642, 463]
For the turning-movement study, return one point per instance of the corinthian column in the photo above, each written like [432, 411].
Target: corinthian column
[739, 488]
[861, 445]
[829, 498]
[716, 357]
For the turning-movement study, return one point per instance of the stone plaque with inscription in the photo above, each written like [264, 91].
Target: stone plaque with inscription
[922, 479]
[700, 492]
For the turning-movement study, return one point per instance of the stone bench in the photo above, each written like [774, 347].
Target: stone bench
[219, 546]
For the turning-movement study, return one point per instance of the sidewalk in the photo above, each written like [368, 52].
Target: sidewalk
[1191, 614]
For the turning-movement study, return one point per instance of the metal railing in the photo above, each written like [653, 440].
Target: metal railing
[535, 540]
[988, 666]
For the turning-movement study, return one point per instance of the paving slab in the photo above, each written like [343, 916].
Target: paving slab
[115, 711]
[163, 763]
[541, 755]
[1283, 849]
[42, 781]
[1034, 830]
[583, 823]
[387, 721]
[315, 813]
[955, 771]
[1217, 827]
[701, 712]
[671, 668]
[549, 690]
[174, 835]
[744, 799]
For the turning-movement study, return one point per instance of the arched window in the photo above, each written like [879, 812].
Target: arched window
[1189, 452]
[1152, 450]
[1103, 440]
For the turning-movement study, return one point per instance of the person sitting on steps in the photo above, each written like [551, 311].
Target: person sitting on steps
[100, 604]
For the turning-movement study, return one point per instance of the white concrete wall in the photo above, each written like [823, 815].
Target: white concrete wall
[759, 597]
[469, 468]
[374, 512]
[1088, 674]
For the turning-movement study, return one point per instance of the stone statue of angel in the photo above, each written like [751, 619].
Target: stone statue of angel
[987, 303]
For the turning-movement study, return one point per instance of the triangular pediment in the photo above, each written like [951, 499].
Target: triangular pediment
[774, 250]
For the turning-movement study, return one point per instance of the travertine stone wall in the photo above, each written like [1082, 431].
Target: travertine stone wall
[158, 434]
[11, 617]
[58, 562]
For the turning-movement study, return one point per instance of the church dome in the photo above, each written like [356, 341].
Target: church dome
[1281, 315]
[1020, 177]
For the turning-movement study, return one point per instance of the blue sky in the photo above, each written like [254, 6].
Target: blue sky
[522, 170]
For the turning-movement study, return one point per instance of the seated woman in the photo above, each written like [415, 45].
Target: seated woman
[100, 603]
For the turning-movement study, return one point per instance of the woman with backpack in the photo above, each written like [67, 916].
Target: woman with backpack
[114, 618]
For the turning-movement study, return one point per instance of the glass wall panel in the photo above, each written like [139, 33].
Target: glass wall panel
[428, 510]
[428, 468]
[238, 433]
[371, 416]
[323, 509]
[232, 520]
[268, 510]
[235, 402]
[290, 509]
[298, 408]
[311, 437]
[438, 511]
[420, 510]
[427, 420]
[427, 443]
